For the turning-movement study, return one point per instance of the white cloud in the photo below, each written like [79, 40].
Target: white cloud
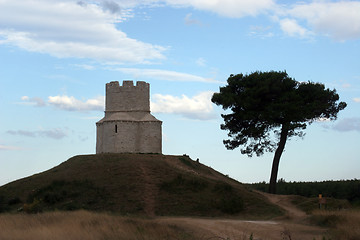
[5, 147]
[293, 29]
[201, 62]
[356, 100]
[261, 31]
[72, 104]
[166, 75]
[346, 85]
[111, 6]
[36, 101]
[197, 107]
[348, 124]
[338, 20]
[22, 133]
[191, 21]
[56, 133]
[68, 103]
[227, 8]
[67, 29]
[85, 66]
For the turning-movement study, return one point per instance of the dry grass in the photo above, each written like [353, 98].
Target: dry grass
[344, 225]
[85, 225]
[91, 225]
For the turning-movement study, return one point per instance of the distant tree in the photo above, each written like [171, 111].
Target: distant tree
[266, 105]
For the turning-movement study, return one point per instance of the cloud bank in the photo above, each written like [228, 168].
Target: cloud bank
[158, 74]
[337, 20]
[348, 124]
[293, 29]
[5, 147]
[90, 29]
[196, 107]
[72, 104]
[56, 133]
[68, 103]
[68, 29]
[227, 8]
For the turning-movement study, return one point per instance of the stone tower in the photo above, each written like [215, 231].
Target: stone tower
[128, 126]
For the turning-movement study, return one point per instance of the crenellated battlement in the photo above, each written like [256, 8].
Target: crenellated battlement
[127, 98]
[127, 85]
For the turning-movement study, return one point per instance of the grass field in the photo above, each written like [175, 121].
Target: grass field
[152, 196]
[343, 225]
[337, 225]
[85, 225]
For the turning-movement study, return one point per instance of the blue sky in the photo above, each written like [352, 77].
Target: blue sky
[57, 55]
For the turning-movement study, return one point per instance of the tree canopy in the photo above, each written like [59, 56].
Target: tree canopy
[264, 104]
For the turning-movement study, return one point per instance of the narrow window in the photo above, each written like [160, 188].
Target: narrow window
[115, 128]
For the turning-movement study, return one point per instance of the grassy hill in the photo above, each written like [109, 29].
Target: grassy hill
[135, 184]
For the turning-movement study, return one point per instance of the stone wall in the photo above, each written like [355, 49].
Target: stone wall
[123, 137]
[128, 125]
[127, 97]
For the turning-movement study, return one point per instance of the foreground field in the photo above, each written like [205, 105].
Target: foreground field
[295, 225]
[343, 225]
[88, 225]
[161, 189]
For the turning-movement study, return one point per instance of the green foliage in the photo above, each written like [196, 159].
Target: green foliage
[182, 183]
[33, 207]
[221, 187]
[251, 237]
[229, 201]
[231, 204]
[14, 201]
[262, 102]
[64, 195]
[3, 205]
[207, 196]
[344, 189]
[6, 204]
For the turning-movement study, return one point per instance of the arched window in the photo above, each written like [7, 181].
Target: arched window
[115, 128]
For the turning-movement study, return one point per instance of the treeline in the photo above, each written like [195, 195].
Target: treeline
[343, 189]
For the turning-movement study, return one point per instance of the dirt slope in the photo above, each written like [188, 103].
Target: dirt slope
[284, 201]
[292, 226]
[242, 229]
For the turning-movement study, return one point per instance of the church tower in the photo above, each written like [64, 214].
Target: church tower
[128, 126]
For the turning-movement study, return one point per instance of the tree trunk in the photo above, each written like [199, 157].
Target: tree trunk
[276, 161]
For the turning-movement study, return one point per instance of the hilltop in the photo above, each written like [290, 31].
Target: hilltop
[136, 184]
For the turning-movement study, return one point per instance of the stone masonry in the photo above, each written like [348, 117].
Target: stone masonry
[128, 126]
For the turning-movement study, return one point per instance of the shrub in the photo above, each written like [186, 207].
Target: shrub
[64, 195]
[34, 207]
[14, 201]
[3, 206]
[222, 188]
[230, 204]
